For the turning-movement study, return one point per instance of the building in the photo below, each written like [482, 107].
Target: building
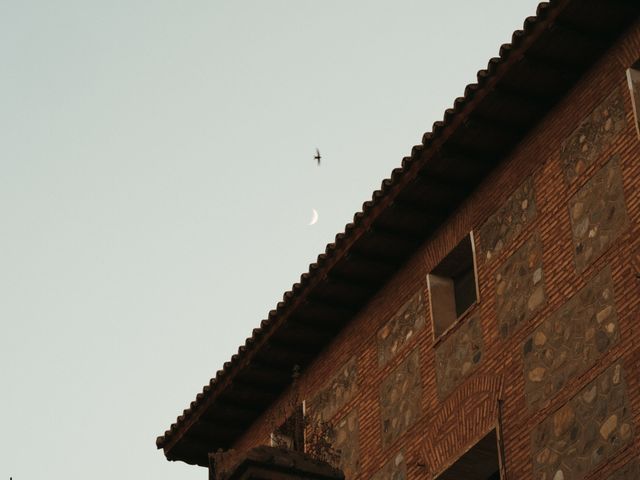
[478, 318]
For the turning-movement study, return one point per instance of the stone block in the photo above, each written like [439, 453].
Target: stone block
[520, 290]
[342, 387]
[345, 439]
[598, 214]
[394, 469]
[510, 219]
[400, 395]
[458, 356]
[586, 431]
[630, 471]
[402, 326]
[571, 340]
[592, 136]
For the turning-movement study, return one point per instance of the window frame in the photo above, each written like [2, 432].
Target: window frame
[459, 318]
[633, 81]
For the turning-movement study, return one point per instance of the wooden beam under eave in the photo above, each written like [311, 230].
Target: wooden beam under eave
[552, 67]
[405, 238]
[190, 451]
[589, 38]
[363, 282]
[233, 413]
[484, 121]
[283, 359]
[325, 316]
[208, 432]
[306, 334]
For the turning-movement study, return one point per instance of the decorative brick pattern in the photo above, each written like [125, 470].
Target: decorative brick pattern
[594, 134]
[598, 214]
[630, 471]
[336, 394]
[345, 439]
[401, 328]
[571, 340]
[450, 430]
[586, 431]
[520, 288]
[458, 356]
[400, 395]
[504, 225]
[394, 469]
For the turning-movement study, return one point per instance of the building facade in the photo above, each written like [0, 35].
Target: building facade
[479, 318]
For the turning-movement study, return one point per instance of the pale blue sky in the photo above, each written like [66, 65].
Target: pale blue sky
[156, 181]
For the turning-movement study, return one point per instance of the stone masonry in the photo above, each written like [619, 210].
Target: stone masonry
[400, 395]
[630, 471]
[586, 431]
[593, 135]
[504, 225]
[571, 340]
[598, 214]
[520, 288]
[345, 440]
[394, 469]
[458, 356]
[336, 394]
[402, 326]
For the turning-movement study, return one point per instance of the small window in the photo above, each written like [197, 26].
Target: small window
[480, 463]
[290, 434]
[452, 286]
[633, 78]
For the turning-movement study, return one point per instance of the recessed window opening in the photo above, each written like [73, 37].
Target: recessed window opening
[633, 78]
[290, 434]
[452, 286]
[480, 463]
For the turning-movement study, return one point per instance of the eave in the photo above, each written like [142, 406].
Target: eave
[518, 88]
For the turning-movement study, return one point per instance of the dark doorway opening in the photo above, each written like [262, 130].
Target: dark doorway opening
[481, 462]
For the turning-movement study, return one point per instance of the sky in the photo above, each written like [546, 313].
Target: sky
[156, 185]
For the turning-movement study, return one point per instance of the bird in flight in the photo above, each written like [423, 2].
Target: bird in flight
[318, 157]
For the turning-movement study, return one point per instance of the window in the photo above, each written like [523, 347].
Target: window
[633, 78]
[290, 434]
[452, 286]
[480, 463]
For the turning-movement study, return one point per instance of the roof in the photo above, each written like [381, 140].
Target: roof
[516, 90]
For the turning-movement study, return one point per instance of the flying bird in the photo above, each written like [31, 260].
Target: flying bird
[318, 157]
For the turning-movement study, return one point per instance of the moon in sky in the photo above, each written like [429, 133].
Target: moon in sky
[314, 219]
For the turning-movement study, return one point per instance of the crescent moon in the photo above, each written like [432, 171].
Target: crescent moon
[314, 219]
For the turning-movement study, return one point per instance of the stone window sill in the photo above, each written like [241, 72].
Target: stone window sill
[454, 326]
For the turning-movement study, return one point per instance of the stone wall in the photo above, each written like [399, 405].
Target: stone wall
[520, 290]
[402, 326]
[400, 395]
[345, 440]
[336, 394]
[598, 214]
[458, 356]
[571, 340]
[591, 427]
[592, 136]
[504, 225]
[394, 469]
[630, 471]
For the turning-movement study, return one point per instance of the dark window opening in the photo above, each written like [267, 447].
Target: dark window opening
[479, 463]
[453, 286]
[290, 434]
[633, 78]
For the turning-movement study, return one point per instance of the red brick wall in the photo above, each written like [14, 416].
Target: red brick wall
[440, 436]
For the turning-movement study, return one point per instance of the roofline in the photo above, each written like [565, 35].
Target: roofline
[382, 199]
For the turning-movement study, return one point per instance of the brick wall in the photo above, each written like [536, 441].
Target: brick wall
[439, 422]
